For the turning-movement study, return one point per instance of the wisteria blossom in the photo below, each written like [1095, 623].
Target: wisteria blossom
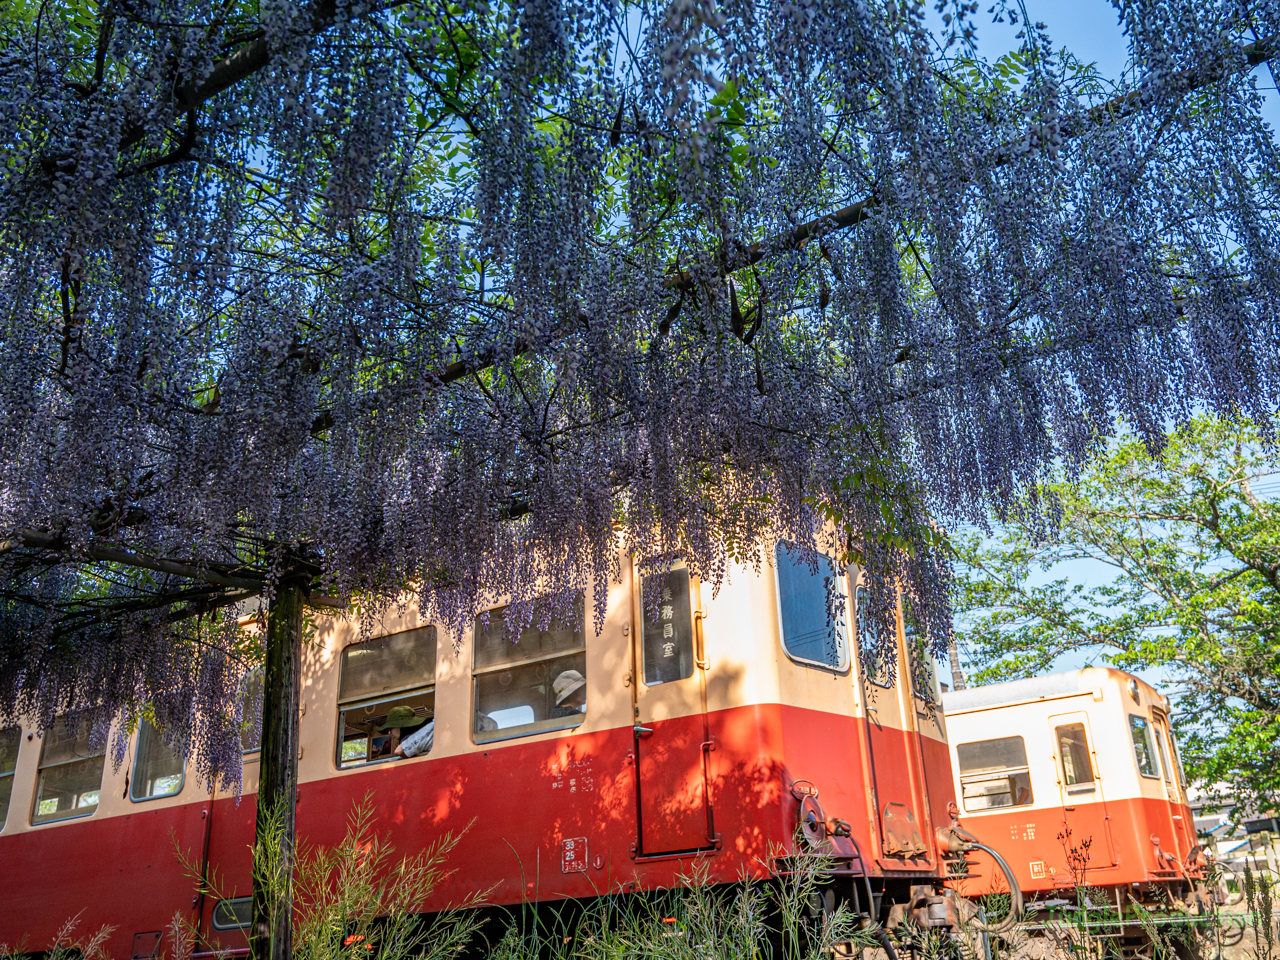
[466, 300]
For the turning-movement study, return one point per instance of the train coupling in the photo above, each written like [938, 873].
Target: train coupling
[933, 909]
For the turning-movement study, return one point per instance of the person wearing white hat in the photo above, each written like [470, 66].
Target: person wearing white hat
[570, 689]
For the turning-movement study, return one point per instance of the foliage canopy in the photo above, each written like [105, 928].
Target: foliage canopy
[458, 296]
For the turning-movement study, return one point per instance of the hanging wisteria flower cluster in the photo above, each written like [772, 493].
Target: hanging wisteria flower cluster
[461, 297]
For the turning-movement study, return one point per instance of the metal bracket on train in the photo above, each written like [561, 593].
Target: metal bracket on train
[953, 839]
[828, 837]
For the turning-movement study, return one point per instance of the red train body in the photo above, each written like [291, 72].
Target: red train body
[1075, 778]
[706, 728]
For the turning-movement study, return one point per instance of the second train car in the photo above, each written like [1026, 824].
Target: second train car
[1075, 778]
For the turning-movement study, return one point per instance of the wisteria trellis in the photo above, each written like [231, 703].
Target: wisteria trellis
[457, 297]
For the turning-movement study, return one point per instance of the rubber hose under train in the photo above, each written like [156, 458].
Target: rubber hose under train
[1015, 893]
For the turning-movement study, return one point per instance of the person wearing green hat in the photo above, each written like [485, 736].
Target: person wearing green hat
[401, 719]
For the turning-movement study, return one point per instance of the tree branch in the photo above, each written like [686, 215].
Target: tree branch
[245, 62]
[34, 539]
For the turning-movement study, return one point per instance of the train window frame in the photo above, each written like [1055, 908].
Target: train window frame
[1137, 721]
[233, 904]
[993, 775]
[1076, 785]
[42, 767]
[143, 725]
[916, 642]
[842, 665]
[877, 677]
[8, 768]
[511, 665]
[417, 692]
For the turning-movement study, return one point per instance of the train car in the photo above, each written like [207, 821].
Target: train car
[703, 732]
[1076, 778]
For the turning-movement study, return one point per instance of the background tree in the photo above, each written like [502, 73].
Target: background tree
[1196, 594]
[459, 298]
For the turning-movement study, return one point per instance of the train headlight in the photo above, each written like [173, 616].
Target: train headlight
[1133, 690]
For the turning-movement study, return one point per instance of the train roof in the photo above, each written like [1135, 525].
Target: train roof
[1049, 687]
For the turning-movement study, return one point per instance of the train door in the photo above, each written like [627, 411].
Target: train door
[226, 861]
[897, 779]
[671, 732]
[1086, 837]
[1181, 837]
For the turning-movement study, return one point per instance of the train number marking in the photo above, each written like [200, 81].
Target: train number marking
[573, 855]
[1037, 870]
[1022, 831]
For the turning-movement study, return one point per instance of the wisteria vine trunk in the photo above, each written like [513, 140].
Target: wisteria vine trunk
[278, 774]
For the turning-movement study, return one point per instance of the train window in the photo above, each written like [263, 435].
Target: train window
[1164, 755]
[251, 713]
[877, 670]
[70, 778]
[158, 769]
[1143, 752]
[1073, 754]
[536, 684]
[808, 633]
[924, 667]
[668, 641]
[10, 740]
[994, 773]
[1177, 759]
[233, 914]
[387, 694]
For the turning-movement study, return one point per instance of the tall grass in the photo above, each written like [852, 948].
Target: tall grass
[1260, 899]
[787, 919]
[358, 900]
[68, 944]
[354, 900]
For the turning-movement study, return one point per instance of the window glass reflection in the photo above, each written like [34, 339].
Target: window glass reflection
[1143, 753]
[70, 777]
[805, 596]
[387, 698]
[534, 684]
[924, 666]
[158, 769]
[1073, 754]
[668, 637]
[994, 773]
[876, 655]
[251, 713]
[10, 740]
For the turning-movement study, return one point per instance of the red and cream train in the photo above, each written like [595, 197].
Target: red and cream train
[1075, 778]
[708, 734]
[577, 763]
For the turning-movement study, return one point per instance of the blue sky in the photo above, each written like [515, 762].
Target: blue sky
[1088, 28]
